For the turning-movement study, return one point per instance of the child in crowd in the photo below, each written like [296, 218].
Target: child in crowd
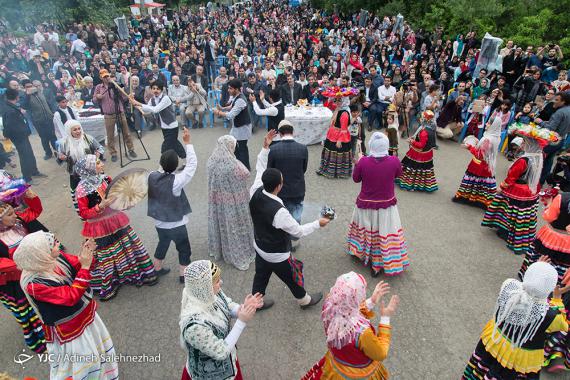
[392, 132]
[526, 116]
[355, 129]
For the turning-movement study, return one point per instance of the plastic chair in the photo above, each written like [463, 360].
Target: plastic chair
[214, 100]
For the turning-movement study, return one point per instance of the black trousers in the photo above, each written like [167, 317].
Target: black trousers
[27, 158]
[179, 236]
[242, 153]
[264, 270]
[47, 135]
[171, 142]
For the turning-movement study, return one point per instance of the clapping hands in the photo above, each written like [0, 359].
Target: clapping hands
[380, 291]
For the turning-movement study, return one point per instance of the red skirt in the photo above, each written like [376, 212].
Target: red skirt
[238, 376]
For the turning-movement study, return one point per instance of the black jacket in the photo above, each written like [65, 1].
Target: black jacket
[291, 158]
[286, 93]
[15, 124]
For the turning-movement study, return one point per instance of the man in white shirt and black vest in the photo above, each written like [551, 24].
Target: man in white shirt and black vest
[161, 105]
[238, 114]
[273, 109]
[169, 206]
[273, 228]
[62, 114]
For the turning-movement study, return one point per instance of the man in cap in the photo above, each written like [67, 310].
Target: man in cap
[108, 97]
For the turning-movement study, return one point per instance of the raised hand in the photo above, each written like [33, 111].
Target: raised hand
[269, 138]
[86, 255]
[246, 313]
[381, 289]
[390, 310]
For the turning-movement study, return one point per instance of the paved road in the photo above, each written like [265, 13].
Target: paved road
[447, 295]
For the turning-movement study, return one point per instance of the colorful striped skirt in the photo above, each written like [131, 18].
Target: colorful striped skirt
[93, 345]
[336, 162]
[73, 182]
[555, 244]
[120, 258]
[13, 298]
[376, 237]
[515, 220]
[483, 366]
[476, 191]
[417, 172]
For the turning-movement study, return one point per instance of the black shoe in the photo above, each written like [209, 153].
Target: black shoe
[162, 271]
[181, 279]
[267, 304]
[110, 296]
[40, 175]
[315, 299]
[48, 157]
[132, 153]
[373, 273]
[114, 158]
[150, 281]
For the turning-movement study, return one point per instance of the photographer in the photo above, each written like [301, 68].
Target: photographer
[108, 97]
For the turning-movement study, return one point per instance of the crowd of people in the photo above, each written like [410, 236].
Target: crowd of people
[240, 66]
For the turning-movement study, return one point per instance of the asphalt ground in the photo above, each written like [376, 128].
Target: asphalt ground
[447, 294]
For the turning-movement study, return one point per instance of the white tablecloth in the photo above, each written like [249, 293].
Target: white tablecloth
[93, 125]
[310, 125]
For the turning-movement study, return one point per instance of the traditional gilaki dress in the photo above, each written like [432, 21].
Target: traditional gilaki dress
[512, 343]
[59, 290]
[230, 229]
[553, 241]
[75, 149]
[375, 234]
[337, 162]
[120, 257]
[11, 294]
[418, 173]
[478, 186]
[355, 348]
[205, 328]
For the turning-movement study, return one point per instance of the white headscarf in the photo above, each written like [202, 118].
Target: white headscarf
[378, 145]
[198, 298]
[535, 158]
[522, 306]
[489, 144]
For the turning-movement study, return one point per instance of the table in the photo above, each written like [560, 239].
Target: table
[93, 125]
[310, 125]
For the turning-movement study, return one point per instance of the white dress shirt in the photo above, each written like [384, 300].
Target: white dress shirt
[162, 102]
[384, 92]
[282, 220]
[58, 124]
[78, 46]
[269, 110]
[181, 179]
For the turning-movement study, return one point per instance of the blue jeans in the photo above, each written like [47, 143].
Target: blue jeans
[295, 208]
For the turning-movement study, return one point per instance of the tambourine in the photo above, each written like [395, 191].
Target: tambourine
[128, 188]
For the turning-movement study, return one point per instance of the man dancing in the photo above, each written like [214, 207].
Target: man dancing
[273, 228]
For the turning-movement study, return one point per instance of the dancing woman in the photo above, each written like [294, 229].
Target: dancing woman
[230, 229]
[205, 328]
[120, 257]
[57, 285]
[356, 349]
[76, 145]
[418, 173]
[375, 234]
[14, 226]
[553, 241]
[478, 186]
[512, 342]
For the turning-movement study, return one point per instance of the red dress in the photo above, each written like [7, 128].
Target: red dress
[478, 186]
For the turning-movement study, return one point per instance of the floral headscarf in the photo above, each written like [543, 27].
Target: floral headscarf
[86, 168]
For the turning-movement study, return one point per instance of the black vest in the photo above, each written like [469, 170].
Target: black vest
[273, 121]
[162, 204]
[53, 314]
[168, 115]
[64, 116]
[268, 238]
[242, 118]
[564, 217]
